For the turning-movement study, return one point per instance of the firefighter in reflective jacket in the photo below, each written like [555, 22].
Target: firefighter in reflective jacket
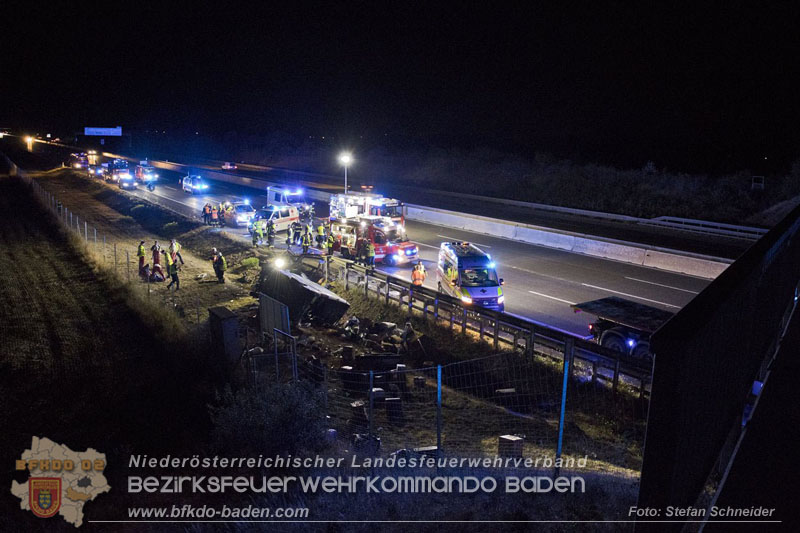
[320, 235]
[141, 253]
[330, 242]
[306, 241]
[220, 265]
[214, 216]
[370, 254]
[207, 214]
[271, 233]
[258, 233]
[418, 274]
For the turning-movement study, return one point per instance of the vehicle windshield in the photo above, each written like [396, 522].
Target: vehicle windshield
[386, 211]
[246, 208]
[393, 235]
[479, 277]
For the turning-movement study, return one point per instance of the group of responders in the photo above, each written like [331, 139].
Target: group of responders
[318, 461]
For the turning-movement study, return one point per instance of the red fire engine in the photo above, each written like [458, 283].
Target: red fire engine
[392, 247]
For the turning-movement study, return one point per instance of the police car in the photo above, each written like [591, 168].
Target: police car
[194, 184]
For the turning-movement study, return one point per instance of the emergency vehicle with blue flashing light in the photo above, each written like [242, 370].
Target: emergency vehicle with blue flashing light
[194, 184]
[468, 273]
[241, 214]
[78, 161]
[392, 246]
[118, 169]
[357, 204]
[622, 325]
[145, 172]
[282, 216]
[281, 196]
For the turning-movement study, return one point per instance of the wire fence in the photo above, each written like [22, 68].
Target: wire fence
[121, 258]
[512, 403]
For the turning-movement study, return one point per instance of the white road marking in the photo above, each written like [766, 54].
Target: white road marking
[453, 239]
[630, 295]
[662, 285]
[552, 297]
[426, 245]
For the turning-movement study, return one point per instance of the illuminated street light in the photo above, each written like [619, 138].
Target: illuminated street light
[345, 159]
[29, 143]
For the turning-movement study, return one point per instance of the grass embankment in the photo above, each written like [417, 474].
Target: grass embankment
[79, 365]
[607, 428]
[127, 220]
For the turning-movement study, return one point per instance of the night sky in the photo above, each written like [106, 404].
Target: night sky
[691, 88]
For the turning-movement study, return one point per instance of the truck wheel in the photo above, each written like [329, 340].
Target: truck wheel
[642, 351]
[613, 342]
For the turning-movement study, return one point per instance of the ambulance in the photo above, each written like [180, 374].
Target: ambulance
[468, 273]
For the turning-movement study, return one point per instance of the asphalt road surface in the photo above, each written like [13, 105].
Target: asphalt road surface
[540, 283]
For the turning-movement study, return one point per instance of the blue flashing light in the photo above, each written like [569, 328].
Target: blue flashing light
[631, 343]
[492, 265]
[247, 201]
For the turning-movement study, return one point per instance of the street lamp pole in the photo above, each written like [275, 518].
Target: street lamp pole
[345, 159]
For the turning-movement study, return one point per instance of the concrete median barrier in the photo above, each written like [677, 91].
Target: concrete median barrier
[626, 252]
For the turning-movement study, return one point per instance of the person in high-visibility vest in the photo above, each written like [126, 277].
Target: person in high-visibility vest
[220, 265]
[258, 233]
[214, 216]
[370, 254]
[175, 250]
[320, 234]
[271, 234]
[207, 214]
[172, 271]
[418, 274]
[330, 242]
[289, 236]
[141, 253]
[221, 215]
[306, 241]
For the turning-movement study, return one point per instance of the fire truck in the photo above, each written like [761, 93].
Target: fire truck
[392, 247]
[355, 204]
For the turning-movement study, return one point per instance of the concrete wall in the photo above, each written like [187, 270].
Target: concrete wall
[633, 253]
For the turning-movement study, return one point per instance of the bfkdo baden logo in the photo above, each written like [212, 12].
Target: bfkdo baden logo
[61, 480]
[44, 495]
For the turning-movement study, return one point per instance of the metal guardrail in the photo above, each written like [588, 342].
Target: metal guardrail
[704, 226]
[499, 329]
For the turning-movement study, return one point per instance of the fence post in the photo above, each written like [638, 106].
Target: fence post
[371, 378]
[277, 366]
[366, 284]
[410, 301]
[77, 224]
[569, 348]
[387, 291]
[86, 231]
[438, 410]
[325, 385]
[530, 343]
[70, 218]
[464, 321]
[436, 309]
[347, 276]
[497, 335]
[616, 376]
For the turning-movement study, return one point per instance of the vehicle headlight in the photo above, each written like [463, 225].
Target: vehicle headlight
[399, 257]
[501, 299]
[466, 299]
